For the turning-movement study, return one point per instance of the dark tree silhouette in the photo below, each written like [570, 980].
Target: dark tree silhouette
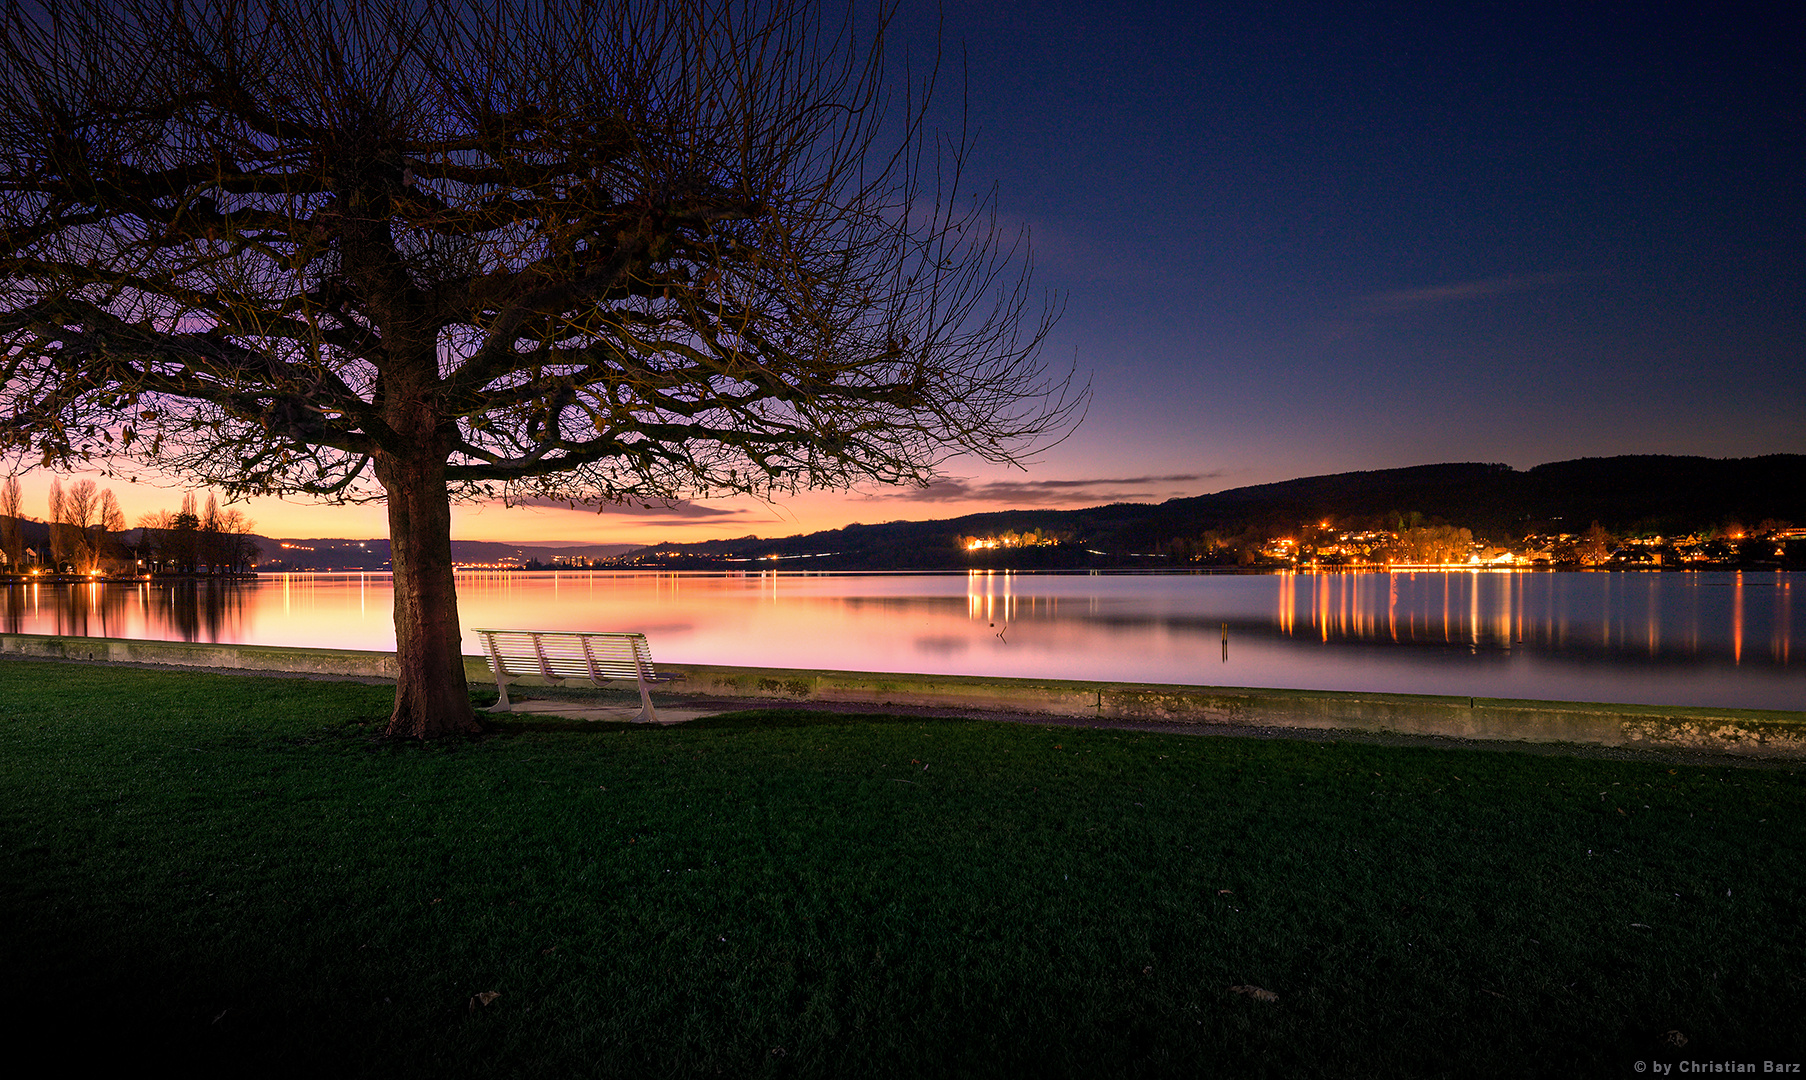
[421, 251]
[12, 535]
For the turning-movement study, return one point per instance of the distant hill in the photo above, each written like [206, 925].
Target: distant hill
[1643, 494]
[1671, 496]
[341, 553]
[1627, 495]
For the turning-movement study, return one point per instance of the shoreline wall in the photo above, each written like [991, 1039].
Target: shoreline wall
[1741, 732]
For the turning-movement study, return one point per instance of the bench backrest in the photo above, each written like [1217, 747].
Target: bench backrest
[562, 654]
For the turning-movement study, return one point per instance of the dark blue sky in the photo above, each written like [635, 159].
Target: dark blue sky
[1305, 239]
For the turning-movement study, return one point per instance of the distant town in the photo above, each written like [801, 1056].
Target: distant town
[1321, 546]
[188, 548]
[1608, 513]
[1592, 513]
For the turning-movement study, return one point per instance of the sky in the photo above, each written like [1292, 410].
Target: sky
[1292, 240]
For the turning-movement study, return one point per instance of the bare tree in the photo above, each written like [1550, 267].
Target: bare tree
[153, 537]
[59, 540]
[1433, 544]
[591, 251]
[236, 545]
[12, 532]
[1596, 545]
[209, 551]
[79, 503]
[182, 540]
[81, 519]
[109, 520]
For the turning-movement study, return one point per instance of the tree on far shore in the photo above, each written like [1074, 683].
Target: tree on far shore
[410, 251]
[82, 519]
[189, 539]
[12, 532]
[1432, 544]
[1595, 546]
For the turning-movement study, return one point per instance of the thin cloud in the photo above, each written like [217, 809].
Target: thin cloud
[1403, 300]
[682, 511]
[693, 523]
[1027, 493]
[1366, 315]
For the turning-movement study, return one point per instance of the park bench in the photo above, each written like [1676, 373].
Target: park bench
[561, 655]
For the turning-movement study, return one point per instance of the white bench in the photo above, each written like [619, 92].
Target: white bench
[558, 655]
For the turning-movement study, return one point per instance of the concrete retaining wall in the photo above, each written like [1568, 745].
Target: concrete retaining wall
[195, 654]
[1751, 732]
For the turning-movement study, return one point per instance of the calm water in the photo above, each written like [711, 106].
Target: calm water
[1680, 638]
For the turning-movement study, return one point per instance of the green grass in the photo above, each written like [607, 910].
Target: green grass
[206, 868]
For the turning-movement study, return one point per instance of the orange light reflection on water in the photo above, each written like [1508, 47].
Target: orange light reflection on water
[1737, 620]
[1154, 628]
[1510, 609]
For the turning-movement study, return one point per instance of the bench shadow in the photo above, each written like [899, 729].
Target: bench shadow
[802, 718]
[729, 720]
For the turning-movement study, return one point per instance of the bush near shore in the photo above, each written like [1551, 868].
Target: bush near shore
[232, 872]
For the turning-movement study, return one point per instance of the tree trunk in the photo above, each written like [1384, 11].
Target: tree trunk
[432, 698]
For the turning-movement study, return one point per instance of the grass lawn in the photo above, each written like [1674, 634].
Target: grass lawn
[209, 868]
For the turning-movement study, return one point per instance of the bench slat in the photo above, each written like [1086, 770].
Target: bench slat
[557, 655]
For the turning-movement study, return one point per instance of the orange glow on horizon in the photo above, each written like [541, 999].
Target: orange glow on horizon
[715, 519]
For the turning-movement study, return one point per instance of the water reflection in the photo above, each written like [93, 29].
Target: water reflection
[1658, 616]
[1710, 638]
[177, 610]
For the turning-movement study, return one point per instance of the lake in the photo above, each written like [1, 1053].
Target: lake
[1705, 638]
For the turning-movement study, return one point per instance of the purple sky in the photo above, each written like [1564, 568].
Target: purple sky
[1307, 239]
[1303, 239]
[1300, 239]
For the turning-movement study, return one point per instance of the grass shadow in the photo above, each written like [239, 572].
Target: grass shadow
[874, 894]
[783, 719]
[739, 720]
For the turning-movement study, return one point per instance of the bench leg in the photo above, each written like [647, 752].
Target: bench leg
[646, 715]
[501, 674]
